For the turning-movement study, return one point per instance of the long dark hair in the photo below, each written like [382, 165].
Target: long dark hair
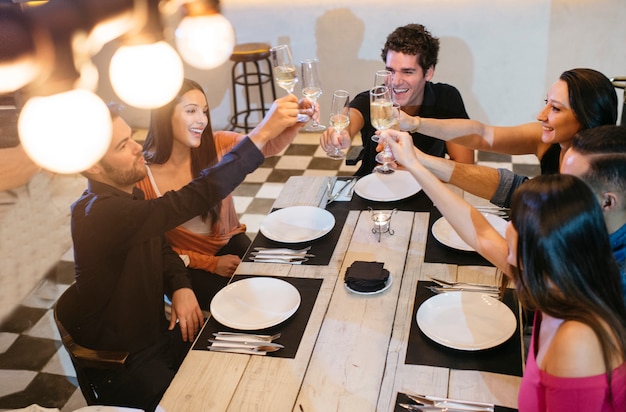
[592, 97]
[564, 263]
[159, 141]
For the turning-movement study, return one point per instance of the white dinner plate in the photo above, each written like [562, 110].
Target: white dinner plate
[466, 320]
[376, 292]
[296, 224]
[445, 234]
[387, 188]
[255, 303]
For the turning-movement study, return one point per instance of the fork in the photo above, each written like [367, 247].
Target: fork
[488, 292]
[448, 284]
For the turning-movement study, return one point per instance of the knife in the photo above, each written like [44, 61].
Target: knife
[282, 250]
[267, 253]
[291, 260]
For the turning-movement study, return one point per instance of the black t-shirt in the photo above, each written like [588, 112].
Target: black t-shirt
[441, 101]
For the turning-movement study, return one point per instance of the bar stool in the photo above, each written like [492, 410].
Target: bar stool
[248, 73]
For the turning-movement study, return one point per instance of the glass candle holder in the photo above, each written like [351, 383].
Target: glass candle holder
[382, 221]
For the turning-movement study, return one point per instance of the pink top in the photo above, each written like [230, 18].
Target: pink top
[541, 391]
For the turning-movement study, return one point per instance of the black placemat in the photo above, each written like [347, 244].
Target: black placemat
[291, 330]
[322, 247]
[403, 398]
[505, 358]
[438, 253]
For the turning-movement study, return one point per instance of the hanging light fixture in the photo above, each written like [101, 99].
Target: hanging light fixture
[21, 50]
[63, 126]
[204, 38]
[145, 71]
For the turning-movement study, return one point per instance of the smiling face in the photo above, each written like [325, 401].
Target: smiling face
[409, 78]
[123, 164]
[557, 117]
[189, 118]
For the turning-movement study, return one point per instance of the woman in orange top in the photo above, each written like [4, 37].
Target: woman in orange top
[179, 144]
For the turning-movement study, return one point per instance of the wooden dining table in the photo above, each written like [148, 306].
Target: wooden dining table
[351, 356]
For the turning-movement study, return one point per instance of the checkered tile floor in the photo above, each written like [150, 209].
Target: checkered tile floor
[34, 367]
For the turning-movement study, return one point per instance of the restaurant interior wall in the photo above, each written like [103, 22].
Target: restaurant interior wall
[502, 55]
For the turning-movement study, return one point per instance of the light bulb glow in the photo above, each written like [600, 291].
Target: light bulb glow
[17, 74]
[205, 42]
[67, 132]
[146, 75]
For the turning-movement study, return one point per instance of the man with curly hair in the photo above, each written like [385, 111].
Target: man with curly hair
[410, 54]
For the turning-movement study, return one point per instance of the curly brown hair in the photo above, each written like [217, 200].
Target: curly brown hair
[413, 39]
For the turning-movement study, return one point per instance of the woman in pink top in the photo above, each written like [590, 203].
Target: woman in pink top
[180, 143]
[558, 255]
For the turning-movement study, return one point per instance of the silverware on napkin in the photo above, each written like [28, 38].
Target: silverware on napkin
[488, 292]
[279, 259]
[349, 184]
[280, 255]
[450, 404]
[238, 336]
[219, 343]
[427, 408]
[464, 285]
[258, 350]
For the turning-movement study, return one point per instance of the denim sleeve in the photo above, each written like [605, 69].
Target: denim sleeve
[509, 181]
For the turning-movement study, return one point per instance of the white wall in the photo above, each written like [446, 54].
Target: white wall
[502, 55]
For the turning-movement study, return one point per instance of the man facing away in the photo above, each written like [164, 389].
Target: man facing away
[124, 266]
[598, 157]
[410, 53]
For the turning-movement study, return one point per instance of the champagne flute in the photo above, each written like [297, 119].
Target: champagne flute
[383, 78]
[312, 89]
[381, 109]
[386, 156]
[285, 72]
[381, 116]
[339, 118]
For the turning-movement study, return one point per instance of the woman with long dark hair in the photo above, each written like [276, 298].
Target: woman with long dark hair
[558, 255]
[580, 99]
[180, 143]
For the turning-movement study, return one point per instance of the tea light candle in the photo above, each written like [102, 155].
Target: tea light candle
[381, 222]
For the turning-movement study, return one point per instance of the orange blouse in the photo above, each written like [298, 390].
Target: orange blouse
[201, 249]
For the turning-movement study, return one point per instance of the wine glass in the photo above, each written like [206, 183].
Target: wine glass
[381, 117]
[285, 72]
[381, 113]
[339, 118]
[312, 89]
[386, 156]
[383, 78]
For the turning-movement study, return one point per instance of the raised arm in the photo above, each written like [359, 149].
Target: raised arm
[522, 139]
[279, 126]
[465, 219]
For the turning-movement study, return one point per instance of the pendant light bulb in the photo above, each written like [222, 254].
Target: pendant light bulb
[205, 41]
[146, 75]
[66, 132]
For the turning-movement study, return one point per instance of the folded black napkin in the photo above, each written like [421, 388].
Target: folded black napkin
[366, 276]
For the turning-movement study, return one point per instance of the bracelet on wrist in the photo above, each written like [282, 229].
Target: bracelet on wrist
[419, 124]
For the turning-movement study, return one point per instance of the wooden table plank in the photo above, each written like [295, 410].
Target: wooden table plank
[346, 367]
